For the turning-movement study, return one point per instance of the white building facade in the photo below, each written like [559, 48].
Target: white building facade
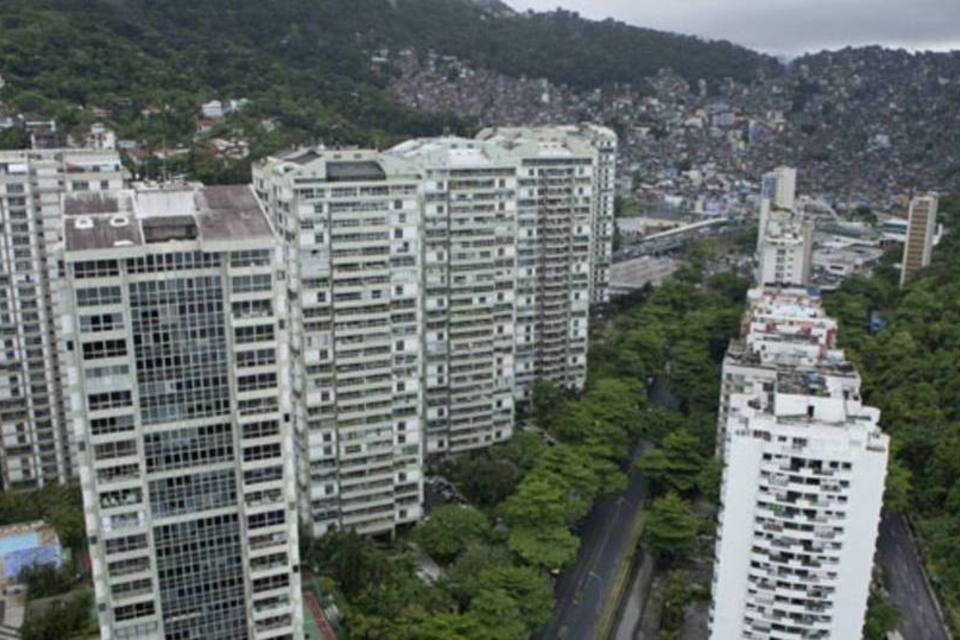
[429, 286]
[784, 237]
[778, 190]
[177, 362]
[36, 445]
[804, 468]
[352, 228]
[470, 278]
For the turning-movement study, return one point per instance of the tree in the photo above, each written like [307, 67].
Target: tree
[14, 138]
[486, 481]
[500, 616]
[540, 501]
[450, 529]
[670, 528]
[450, 626]
[676, 464]
[547, 403]
[881, 617]
[462, 578]
[709, 479]
[676, 591]
[550, 547]
[44, 581]
[63, 619]
[896, 495]
[522, 450]
[528, 589]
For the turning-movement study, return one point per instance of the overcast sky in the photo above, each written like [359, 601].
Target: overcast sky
[786, 27]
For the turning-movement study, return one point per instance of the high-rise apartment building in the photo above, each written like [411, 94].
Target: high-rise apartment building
[470, 279]
[920, 234]
[785, 257]
[352, 226]
[803, 479]
[778, 190]
[36, 445]
[555, 143]
[429, 286]
[177, 361]
[784, 237]
[781, 328]
[559, 192]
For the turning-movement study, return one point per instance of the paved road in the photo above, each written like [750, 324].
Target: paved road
[898, 557]
[583, 589]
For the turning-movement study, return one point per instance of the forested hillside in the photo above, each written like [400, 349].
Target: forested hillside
[307, 61]
[911, 371]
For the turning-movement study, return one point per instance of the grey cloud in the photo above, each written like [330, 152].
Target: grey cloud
[787, 26]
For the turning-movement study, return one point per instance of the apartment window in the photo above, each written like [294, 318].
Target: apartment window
[104, 349]
[126, 544]
[252, 283]
[113, 424]
[257, 382]
[269, 519]
[109, 400]
[188, 447]
[133, 611]
[96, 269]
[94, 296]
[101, 322]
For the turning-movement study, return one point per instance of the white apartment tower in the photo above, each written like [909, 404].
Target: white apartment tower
[177, 362]
[577, 140]
[780, 328]
[920, 231]
[778, 190]
[36, 446]
[786, 250]
[784, 237]
[803, 479]
[470, 278]
[429, 286]
[352, 224]
[558, 196]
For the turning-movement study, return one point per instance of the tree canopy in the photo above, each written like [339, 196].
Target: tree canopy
[909, 369]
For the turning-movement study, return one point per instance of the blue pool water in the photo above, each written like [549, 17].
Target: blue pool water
[19, 543]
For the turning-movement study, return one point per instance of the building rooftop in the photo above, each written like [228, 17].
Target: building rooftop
[363, 171]
[150, 214]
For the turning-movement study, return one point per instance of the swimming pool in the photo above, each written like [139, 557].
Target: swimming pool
[19, 543]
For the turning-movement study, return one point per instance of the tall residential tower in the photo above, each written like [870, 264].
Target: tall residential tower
[803, 479]
[36, 444]
[352, 227]
[178, 374]
[920, 231]
[429, 286]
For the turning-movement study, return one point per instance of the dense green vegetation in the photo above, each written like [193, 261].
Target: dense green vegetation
[304, 64]
[66, 619]
[910, 371]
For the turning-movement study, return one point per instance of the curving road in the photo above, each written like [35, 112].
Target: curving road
[582, 590]
[903, 573]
